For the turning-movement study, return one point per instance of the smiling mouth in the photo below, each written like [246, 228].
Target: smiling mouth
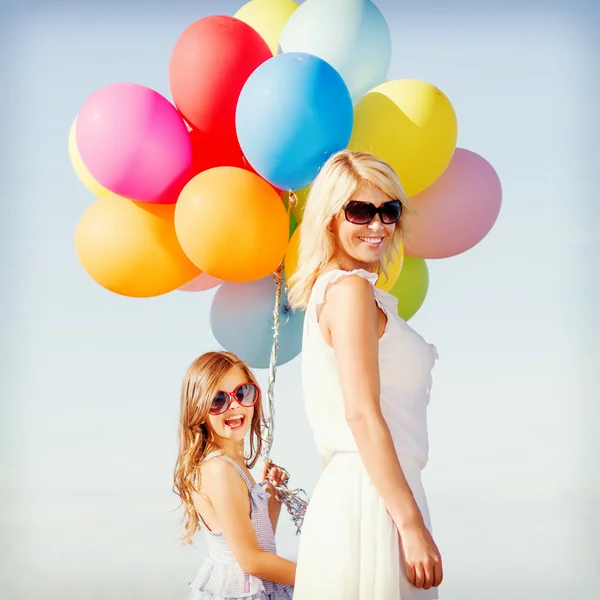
[235, 422]
[372, 241]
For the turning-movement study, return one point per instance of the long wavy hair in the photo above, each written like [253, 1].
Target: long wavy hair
[200, 385]
[339, 179]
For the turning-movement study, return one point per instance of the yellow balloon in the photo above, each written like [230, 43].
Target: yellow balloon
[291, 256]
[384, 283]
[268, 18]
[394, 268]
[410, 124]
[130, 248]
[81, 170]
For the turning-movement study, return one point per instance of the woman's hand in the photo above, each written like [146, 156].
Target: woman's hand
[421, 556]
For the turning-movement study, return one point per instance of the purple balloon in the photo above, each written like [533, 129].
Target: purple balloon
[457, 211]
[134, 142]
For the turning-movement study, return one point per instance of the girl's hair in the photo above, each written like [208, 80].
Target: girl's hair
[339, 179]
[200, 385]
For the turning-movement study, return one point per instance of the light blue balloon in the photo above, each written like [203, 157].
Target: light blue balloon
[293, 113]
[241, 319]
[351, 35]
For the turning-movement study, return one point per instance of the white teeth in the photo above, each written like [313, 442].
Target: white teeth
[372, 240]
[234, 419]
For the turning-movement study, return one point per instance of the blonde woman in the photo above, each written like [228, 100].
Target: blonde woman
[366, 377]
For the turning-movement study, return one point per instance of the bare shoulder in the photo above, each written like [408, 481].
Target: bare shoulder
[219, 474]
[348, 306]
[350, 290]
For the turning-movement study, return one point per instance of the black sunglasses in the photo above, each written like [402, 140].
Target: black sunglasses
[362, 213]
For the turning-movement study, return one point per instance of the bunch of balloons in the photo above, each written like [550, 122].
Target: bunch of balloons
[192, 193]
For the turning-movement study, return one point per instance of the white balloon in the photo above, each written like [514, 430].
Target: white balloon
[351, 35]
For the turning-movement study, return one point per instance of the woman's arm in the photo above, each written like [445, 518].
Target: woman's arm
[228, 495]
[350, 319]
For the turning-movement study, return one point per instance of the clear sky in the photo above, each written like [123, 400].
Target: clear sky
[90, 381]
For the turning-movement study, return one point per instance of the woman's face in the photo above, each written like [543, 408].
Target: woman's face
[235, 422]
[362, 246]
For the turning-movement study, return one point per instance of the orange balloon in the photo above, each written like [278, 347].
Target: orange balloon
[130, 248]
[232, 224]
[384, 283]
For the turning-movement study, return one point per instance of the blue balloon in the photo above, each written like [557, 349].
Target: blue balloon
[293, 113]
[241, 319]
[351, 35]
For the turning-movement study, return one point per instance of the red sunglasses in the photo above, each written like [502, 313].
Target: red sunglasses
[245, 394]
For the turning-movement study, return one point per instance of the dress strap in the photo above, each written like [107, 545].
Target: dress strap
[239, 469]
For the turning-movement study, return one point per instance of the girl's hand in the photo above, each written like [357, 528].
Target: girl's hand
[273, 475]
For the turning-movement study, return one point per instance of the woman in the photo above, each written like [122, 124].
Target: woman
[366, 376]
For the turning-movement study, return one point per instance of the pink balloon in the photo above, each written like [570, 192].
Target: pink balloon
[203, 282]
[457, 211]
[134, 143]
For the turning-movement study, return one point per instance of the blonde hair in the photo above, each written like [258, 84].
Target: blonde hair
[200, 385]
[339, 179]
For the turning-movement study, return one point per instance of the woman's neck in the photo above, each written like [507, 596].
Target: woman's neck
[348, 264]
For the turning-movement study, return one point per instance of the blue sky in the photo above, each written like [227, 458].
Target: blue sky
[90, 380]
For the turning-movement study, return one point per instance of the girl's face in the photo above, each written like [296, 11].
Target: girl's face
[362, 246]
[235, 422]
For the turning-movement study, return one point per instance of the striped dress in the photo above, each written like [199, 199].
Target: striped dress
[221, 577]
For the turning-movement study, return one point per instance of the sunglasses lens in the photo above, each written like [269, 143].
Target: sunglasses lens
[391, 211]
[360, 213]
[219, 404]
[246, 394]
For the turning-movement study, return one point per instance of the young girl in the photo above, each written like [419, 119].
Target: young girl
[220, 404]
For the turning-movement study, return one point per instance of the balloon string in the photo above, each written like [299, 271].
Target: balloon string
[296, 501]
[270, 418]
[278, 278]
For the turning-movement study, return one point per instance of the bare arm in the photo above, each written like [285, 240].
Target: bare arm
[274, 511]
[276, 475]
[229, 497]
[350, 315]
[350, 319]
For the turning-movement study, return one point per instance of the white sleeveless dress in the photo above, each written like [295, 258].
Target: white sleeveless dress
[349, 547]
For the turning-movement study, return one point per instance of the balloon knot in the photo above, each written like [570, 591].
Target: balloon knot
[292, 199]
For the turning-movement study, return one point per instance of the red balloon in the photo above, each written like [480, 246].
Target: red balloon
[209, 65]
[214, 151]
[209, 152]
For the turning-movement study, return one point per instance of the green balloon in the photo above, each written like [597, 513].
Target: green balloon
[293, 218]
[299, 208]
[411, 286]
[293, 223]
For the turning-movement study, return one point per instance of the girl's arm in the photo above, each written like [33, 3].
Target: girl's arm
[278, 476]
[229, 497]
[274, 511]
[350, 318]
